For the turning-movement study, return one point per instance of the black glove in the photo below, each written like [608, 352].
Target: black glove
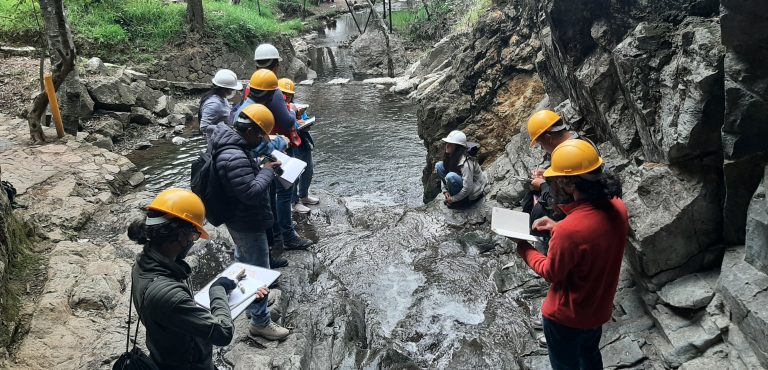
[226, 283]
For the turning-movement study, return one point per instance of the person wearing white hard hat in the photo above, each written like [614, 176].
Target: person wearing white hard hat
[214, 105]
[462, 178]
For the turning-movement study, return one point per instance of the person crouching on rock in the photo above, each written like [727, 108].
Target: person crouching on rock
[463, 180]
[585, 254]
[180, 333]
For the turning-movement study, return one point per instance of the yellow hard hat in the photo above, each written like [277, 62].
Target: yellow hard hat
[572, 158]
[261, 116]
[286, 85]
[182, 204]
[263, 79]
[540, 122]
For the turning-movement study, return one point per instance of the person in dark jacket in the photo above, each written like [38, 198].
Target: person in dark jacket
[180, 333]
[585, 255]
[249, 185]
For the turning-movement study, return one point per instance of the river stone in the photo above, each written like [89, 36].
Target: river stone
[163, 106]
[87, 104]
[146, 97]
[622, 353]
[95, 66]
[142, 116]
[102, 142]
[136, 179]
[692, 291]
[111, 94]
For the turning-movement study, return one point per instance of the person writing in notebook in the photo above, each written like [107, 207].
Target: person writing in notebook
[302, 151]
[585, 254]
[180, 334]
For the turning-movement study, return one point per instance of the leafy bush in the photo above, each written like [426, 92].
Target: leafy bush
[20, 20]
[420, 28]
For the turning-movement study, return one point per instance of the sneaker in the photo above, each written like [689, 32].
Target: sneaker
[297, 243]
[542, 341]
[300, 208]
[309, 200]
[277, 262]
[272, 331]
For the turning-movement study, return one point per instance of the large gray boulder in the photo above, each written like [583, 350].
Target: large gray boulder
[757, 229]
[146, 97]
[369, 55]
[110, 93]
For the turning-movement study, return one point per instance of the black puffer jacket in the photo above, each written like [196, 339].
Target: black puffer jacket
[243, 181]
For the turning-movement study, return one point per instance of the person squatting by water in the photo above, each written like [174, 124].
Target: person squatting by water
[302, 151]
[214, 105]
[463, 180]
[249, 185]
[180, 333]
[268, 58]
[585, 254]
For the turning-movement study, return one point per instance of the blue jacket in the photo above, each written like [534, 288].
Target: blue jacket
[284, 119]
[244, 181]
[214, 110]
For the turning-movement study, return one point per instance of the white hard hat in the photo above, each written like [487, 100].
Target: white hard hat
[456, 137]
[227, 79]
[266, 52]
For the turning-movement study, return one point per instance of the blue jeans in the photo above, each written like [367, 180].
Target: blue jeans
[573, 349]
[453, 181]
[283, 210]
[301, 190]
[252, 248]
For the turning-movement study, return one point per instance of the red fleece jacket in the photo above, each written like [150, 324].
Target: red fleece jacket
[583, 263]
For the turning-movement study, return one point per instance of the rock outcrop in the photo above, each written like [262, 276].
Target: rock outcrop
[675, 97]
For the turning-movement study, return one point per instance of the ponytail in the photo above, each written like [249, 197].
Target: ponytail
[156, 235]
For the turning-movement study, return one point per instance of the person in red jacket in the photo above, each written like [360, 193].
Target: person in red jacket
[585, 254]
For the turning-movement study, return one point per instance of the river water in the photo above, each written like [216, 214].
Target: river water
[367, 147]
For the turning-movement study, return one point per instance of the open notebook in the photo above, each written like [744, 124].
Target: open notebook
[292, 168]
[307, 124]
[245, 293]
[512, 224]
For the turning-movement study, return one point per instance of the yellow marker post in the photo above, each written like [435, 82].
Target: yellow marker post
[51, 92]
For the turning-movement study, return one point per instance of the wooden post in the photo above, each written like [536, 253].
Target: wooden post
[51, 92]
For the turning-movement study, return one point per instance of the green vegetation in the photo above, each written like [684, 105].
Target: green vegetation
[420, 28]
[119, 30]
[19, 270]
[479, 7]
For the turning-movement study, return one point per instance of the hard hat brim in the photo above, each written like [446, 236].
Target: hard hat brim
[198, 227]
[288, 91]
[550, 172]
[238, 86]
[449, 141]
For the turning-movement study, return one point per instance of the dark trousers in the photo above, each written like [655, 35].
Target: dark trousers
[573, 349]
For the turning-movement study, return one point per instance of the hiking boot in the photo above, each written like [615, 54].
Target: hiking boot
[277, 262]
[309, 200]
[300, 208]
[537, 324]
[542, 341]
[272, 331]
[297, 243]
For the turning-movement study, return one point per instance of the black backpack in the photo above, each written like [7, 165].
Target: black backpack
[205, 182]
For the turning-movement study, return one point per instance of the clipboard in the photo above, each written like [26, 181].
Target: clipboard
[239, 300]
[512, 224]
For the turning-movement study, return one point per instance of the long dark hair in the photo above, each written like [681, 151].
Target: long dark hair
[216, 90]
[594, 187]
[451, 161]
[156, 235]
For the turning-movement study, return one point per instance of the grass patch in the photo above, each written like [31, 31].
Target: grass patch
[122, 30]
[420, 28]
[479, 7]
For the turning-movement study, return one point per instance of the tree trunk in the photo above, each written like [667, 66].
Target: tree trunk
[235, 2]
[383, 29]
[62, 59]
[195, 16]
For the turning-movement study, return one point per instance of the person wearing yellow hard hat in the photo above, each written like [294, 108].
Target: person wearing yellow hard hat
[585, 255]
[248, 186]
[302, 149]
[179, 331]
[264, 89]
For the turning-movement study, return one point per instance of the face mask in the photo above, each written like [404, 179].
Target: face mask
[186, 250]
[232, 94]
